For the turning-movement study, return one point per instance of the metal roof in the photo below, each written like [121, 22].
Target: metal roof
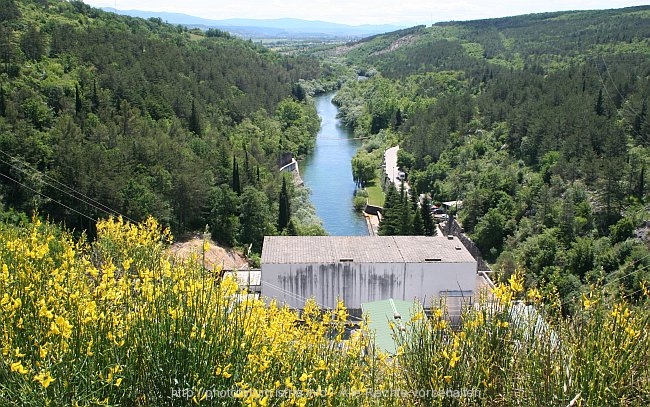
[382, 313]
[363, 249]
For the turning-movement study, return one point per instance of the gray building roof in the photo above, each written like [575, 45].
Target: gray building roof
[363, 249]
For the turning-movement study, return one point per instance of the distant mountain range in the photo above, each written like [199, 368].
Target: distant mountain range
[289, 28]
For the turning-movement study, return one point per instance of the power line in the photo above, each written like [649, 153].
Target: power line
[626, 275]
[562, 303]
[86, 199]
[101, 206]
[602, 82]
[45, 196]
[301, 298]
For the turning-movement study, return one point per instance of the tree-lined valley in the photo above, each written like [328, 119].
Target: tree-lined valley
[117, 133]
[538, 124]
[142, 118]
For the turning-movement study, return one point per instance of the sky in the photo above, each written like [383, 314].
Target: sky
[357, 12]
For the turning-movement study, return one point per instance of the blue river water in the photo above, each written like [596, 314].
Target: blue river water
[327, 172]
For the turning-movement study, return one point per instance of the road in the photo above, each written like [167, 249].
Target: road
[392, 170]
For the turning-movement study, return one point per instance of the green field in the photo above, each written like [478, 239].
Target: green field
[376, 194]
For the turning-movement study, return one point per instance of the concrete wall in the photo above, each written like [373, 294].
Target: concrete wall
[290, 167]
[453, 228]
[357, 283]
[372, 209]
[293, 168]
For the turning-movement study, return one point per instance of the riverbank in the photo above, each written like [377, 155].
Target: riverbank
[372, 222]
[327, 172]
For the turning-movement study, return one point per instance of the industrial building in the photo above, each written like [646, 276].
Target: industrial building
[362, 269]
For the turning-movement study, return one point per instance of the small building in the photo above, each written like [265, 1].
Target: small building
[452, 205]
[251, 279]
[360, 269]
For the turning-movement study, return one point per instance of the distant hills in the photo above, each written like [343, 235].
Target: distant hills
[289, 28]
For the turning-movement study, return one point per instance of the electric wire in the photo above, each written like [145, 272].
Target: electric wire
[77, 194]
[604, 86]
[301, 298]
[45, 196]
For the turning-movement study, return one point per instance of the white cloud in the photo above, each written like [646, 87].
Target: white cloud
[363, 11]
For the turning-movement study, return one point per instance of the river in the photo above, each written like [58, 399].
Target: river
[327, 172]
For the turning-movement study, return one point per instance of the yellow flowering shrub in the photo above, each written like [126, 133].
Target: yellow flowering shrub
[507, 351]
[119, 321]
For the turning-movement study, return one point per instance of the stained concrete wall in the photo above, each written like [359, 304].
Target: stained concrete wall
[357, 283]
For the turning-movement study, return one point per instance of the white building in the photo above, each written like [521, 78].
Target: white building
[360, 269]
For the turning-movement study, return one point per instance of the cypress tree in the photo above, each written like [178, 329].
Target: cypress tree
[640, 189]
[600, 108]
[236, 186]
[2, 102]
[291, 229]
[427, 217]
[398, 118]
[247, 169]
[195, 121]
[284, 215]
[77, 100]
[95, 97]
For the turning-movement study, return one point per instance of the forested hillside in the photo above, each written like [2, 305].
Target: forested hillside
[103, 114]
[538, 123]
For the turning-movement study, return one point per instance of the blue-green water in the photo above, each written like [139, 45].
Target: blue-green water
[327, 172]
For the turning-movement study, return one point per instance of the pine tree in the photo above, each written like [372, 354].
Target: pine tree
[418, 224]
[33, 43]
[405, 219]
[405, 215]
[567, 218]
[9, 11]
[388, 224]
[298, 92]
[640, 118]
[415, 199]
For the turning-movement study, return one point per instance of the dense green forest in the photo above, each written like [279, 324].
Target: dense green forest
[103, 114]
[538, 123]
